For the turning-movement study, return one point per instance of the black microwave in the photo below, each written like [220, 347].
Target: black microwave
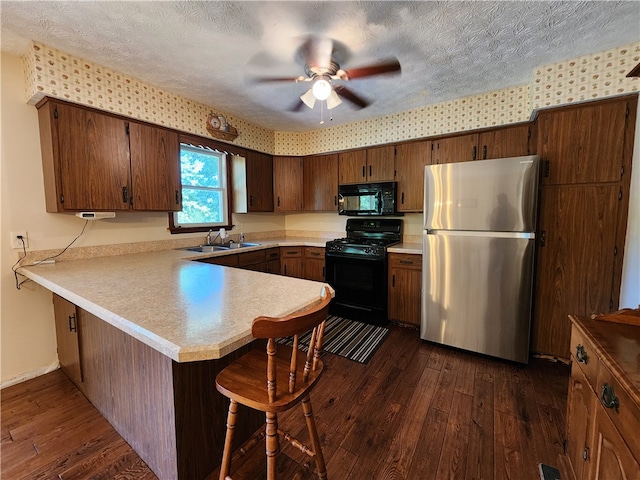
[367, 199]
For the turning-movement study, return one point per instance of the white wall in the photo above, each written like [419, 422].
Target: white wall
[630, 289]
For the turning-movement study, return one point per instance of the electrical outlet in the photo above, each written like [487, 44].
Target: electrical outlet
[16, 242]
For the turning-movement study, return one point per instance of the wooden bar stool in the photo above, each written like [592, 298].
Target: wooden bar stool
[252, 381]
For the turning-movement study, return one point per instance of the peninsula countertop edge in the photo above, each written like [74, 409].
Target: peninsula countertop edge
[186, 310]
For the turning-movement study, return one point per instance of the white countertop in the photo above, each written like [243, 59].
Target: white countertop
[186, 310]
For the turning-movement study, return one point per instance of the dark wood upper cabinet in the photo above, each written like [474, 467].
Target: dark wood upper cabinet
[252, 182]
[352, 166]
[155, 168]
[287, 184]
[381, 165]
[99, 161]
[461, 148]
[411, 159]
[321, 183]
[504, 142]
[375, 164]
[585, 143]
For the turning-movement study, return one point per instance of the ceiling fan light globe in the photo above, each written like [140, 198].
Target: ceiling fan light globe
[321, 89]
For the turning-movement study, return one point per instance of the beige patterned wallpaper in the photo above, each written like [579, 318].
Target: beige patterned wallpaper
[51, 72]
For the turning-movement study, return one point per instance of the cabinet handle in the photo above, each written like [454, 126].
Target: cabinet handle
[393, 280]
[72, 323]
[335, 200]
[177, 197]
[402, 199]
[324, 275]
[363, 171]
[546, 168]
[285, 268]
[585, 454]
[475, 152]
[406, 262]
[543, 238]
[608, 397]
[125, 194]
[315, 254]
[278, 201]
[581, 355]
[484, 152]
[251, 200]
[273, 255]
[370, 170]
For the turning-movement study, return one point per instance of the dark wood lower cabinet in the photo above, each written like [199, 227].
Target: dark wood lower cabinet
[405, 288]
[169, 412]
[575, 259]
[68, 338]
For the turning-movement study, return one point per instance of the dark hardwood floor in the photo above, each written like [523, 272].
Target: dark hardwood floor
[416, 411]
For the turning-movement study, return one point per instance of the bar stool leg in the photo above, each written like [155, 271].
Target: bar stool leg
[272, 444]
[315, 440]
[228, 441]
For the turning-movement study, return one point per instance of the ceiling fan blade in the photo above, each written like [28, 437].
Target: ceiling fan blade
[348, 95]
[296, 107]
[316, 51]
[255, 80]
[390, 66]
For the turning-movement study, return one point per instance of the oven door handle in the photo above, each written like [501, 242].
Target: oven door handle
[350, 256]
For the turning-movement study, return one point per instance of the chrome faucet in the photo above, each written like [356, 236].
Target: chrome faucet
[209, 241]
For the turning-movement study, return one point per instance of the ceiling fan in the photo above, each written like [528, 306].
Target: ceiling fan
[324, 72]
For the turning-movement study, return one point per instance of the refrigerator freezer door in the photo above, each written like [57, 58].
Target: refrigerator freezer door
[476, 293]
[486, 195]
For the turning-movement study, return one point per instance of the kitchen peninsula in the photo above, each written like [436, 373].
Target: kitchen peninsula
[153, 331]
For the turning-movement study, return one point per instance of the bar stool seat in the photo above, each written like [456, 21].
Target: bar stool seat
[270, 382]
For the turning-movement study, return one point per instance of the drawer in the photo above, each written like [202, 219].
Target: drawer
[405, 260]
[583, 354]
[291, 252]
[250, 258]
[626, 417]
[314, 252]
[272, 254]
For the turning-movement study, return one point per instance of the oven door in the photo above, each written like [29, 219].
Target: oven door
[360, 283]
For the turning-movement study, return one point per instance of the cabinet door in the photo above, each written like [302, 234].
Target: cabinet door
[613, 458]
[583, 144]
[581, 404]
[314, 264]
[287, 184]
[411, 159]
[504, 142]
[94, 159]
[381, 164]
[576, 244]
[259, 171]
[462, 148]
[320, 175]
[352, 166]
[155, 168]
[405, 284]
[67, 336]
[291, 261]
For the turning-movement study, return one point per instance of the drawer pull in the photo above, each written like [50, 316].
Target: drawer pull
[406, 262]
[585, 454]
[608, 397]
[581, 355]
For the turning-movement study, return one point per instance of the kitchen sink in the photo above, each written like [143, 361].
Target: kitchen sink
[219, 248]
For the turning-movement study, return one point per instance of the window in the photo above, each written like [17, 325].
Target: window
[204, 189]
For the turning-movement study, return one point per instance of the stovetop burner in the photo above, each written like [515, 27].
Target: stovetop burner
[367, 237]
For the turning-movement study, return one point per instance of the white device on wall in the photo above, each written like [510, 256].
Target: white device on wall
[96, 215]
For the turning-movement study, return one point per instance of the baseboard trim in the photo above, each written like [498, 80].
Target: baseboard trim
[29, 375]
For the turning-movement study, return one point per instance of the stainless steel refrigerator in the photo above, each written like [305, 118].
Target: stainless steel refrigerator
[478, 255]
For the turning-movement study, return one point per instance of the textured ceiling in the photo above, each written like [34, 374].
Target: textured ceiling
[204, 50]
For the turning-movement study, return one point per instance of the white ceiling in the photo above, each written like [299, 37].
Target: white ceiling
[204, 50]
